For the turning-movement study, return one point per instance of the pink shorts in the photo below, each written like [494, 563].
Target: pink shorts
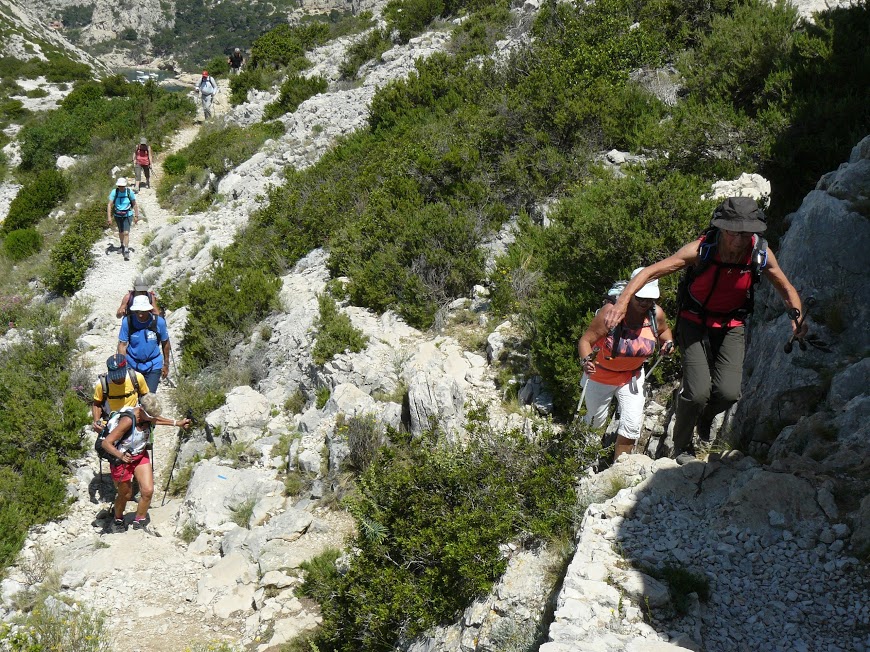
[123, 471]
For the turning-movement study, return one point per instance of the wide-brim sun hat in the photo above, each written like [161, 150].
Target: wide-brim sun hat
[139, 285]
[648, 291]
[143, 141]
[141, 304]
[117, 367]
[739, 214]
[121, 182]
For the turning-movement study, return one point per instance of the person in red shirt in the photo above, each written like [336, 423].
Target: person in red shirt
[617, 367]
[726, 261]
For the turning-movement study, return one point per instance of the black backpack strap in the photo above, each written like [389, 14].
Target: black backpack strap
[654, 323]
[104, 385]
[135, 381]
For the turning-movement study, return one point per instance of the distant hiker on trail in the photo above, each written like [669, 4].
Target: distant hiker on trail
[616, 367]
[236, 60]
[207, 88]
[144, 339]
[127, 444]
[142, 158]
[123, 207]
[140, 288]
[716, 297]
[120, 387]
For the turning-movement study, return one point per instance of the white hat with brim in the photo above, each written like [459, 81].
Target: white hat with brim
[648, 291]
[141, 304]
[121, 182]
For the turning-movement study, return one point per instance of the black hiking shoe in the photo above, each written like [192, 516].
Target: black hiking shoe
[140, 524]
[118, 526]
[126, 254]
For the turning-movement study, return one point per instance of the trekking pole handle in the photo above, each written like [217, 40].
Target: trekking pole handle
[795, 315]
[591, 357]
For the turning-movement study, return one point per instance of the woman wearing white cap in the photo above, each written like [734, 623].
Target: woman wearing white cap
[144, 339]
[616, 368]
[122, 206]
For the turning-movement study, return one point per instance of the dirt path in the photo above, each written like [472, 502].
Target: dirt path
[146, 582]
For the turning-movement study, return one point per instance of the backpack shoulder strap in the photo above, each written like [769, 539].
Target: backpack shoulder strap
[104, 385]
[654, 323]
[135, 381]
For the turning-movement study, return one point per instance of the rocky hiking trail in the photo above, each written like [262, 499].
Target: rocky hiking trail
[143, 580]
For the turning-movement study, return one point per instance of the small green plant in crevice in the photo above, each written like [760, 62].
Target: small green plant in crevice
[319, 573]
[189, 532]
[321, 397]
[335, 332]
[295, 403]
[243, 510]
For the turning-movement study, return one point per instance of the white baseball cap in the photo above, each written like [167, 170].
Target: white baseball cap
[648, 291]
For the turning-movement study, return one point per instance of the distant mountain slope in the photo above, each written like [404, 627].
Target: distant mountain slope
[24, 36]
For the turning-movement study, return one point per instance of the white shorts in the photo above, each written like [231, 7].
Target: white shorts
[630, 398]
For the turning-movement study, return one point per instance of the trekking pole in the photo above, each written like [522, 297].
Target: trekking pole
[175, 458]
[590, 358]
[643, 440]
[795, 315]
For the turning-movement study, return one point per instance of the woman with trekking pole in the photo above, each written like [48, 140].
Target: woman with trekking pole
[613, 358]
[716, 297]
[127, 444]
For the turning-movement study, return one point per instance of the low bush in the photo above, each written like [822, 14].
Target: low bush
[284, 46]
[365, 49]
[245, 81]
[410, 17]
[414, 509]
[225, 306]
[56, 625]
[22, 243]
[335, 332]
[71, 256]
[294, 91]
[175, 164]
[40, 419]
[35, 200]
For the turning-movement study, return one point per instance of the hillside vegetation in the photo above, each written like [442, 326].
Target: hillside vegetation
[463, 145]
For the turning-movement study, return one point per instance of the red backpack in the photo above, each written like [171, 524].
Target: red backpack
[142, 157]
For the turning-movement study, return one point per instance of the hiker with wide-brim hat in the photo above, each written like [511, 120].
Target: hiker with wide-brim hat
[127, 445]
[140, 288]
[144, 340]
[613, 361]
[722, 268]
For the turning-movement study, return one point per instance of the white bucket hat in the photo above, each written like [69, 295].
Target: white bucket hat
[121, 182]
[648, 291]
[141, 304]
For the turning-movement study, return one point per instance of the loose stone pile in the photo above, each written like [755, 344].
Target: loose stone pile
[780, 575]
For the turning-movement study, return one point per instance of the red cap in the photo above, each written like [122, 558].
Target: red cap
[205, 73]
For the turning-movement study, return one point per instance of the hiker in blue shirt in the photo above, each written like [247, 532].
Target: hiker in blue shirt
[144, 339]
[122, 206]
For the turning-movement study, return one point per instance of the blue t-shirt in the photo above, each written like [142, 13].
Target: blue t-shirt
[143, 344]
[124, 203]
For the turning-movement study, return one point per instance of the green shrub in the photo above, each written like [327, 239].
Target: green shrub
[245, 81]
[370, 47]
[77, 16]
[59, 68]
[71, 256]
[321, 397]
[35, 200]
[410, 17]
[175, 164]
[22, 243]
[335, 332]
[56, 625]
[225, 306]
[284, 46]
[414, 510]
[13, 110]
[294, 91]
[218, 66]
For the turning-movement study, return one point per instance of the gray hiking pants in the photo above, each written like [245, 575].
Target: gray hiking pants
[206, 104]
[712, 375]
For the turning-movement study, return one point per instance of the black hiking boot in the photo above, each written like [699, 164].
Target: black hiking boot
[140, 524]
[126, 253]
[118, 526]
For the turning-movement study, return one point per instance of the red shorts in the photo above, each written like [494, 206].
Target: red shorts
[123, 471]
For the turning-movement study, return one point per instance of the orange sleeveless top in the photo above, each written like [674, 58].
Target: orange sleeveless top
[635, 346]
